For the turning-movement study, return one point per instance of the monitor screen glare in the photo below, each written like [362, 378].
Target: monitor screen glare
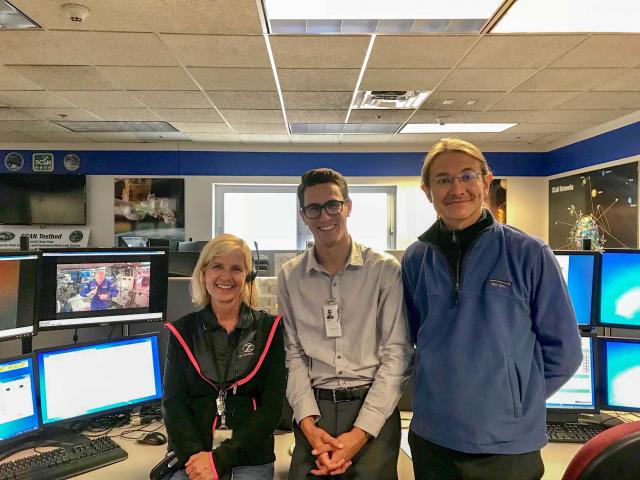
[18, 275]
[622, 374]
[620, 302]
[577, 271]
[18, 414]
[579, 392]
[81, 381]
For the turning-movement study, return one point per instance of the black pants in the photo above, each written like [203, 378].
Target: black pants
[377, 460]
[433, 462]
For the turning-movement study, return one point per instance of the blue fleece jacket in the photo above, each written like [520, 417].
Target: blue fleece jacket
[491, 352]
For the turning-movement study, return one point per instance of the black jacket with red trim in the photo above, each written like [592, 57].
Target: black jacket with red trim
[189, 401]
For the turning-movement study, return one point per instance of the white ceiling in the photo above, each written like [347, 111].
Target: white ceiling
[203, 66]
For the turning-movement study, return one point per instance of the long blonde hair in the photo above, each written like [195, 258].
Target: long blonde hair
[214, 248]
[452, 145]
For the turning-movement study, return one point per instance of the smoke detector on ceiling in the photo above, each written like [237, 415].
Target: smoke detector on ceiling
[75, 12]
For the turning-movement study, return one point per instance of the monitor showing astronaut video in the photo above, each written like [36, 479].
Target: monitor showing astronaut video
[85, 288]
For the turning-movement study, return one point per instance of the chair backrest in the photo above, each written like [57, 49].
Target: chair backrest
[614, 454]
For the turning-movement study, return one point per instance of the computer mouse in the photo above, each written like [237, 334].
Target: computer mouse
[152, 438]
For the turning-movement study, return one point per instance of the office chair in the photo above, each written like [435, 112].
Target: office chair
[612, 454]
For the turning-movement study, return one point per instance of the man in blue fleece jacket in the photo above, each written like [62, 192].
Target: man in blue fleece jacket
[493, 326]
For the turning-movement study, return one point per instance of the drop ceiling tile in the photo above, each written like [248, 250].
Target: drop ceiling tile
[7, 113]
[268, 128]
[580, 116]
[109, 137]
[101, 100]
[196, 115]
[9, 80]
[126, 114]
[364, 138]
[67, 137]
[17, 137]
[318, 139]
[261, 138]
[162, 137]
[550, 138]
[627, 82]
[67, 114]
[402, 78]
[424, 139]
[223, 17]
[34, 99]
[69, 77]
[33, 126]
[194, 127]
[43, 47]
[172, 99]
[149, 78]
[602, 100]
[379, 116]
[426, 51]
[603, 50]
[234, 78]
[460, 99]
[485, 79]
[453, 116]
[519, 51]
[244, 100]
[334, 51]
[318, 80]
[550, 127]
[510, 136]
[317, 100]
[316, 116]
[219, 51]
[568, 79]
[248, 116]
[531, 100]
[213, 137]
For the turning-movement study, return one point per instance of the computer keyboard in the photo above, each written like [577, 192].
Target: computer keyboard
[64, 462]
[573, 432]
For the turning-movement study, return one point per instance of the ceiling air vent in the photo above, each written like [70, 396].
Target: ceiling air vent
[97, 126]
[393, 99]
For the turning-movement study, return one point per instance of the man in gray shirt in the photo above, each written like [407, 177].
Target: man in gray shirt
[346, 340]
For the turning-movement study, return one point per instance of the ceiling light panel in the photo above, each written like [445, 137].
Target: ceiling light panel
[11, 17]
[533, 16]
[456, 127]
[336, 128]
[378, 16]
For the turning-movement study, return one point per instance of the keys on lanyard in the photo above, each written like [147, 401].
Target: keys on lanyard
[221, 406]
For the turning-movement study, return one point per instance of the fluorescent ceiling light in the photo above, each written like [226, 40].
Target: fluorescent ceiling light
[11, 17]
[534, 16]
[456, 127]
[339, 128]
[378, 16]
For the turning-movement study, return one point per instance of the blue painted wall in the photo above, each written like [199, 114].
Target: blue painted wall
[620, 143]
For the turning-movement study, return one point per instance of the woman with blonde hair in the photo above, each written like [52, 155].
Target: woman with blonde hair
[224, 371]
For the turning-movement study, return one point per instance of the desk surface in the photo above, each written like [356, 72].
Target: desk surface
[142, 458]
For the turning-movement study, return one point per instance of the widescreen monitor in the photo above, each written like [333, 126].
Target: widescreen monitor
[42, 199]
[580, 271]
[18, 411]
[620, 374]
[579, 393]
[82, 287]
[82, 381]
[18, 277]
[620, 297]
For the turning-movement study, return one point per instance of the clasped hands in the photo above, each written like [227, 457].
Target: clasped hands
[333, 454]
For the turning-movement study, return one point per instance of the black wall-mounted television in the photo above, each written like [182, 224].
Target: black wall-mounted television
[42, 199]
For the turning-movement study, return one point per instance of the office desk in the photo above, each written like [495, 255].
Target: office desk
[143, 457]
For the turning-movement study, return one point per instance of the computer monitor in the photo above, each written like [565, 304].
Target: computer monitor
[620, 373]
[89, 287]
[192, 246]
[18, 412]
[620, 297]
[580, 270]
[132, 242]
[90, 380]
[18, 277]
[578, 395]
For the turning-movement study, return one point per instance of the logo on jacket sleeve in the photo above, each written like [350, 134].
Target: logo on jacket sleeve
[499, 283]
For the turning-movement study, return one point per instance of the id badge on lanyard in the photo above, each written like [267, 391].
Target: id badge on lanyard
[331, 316]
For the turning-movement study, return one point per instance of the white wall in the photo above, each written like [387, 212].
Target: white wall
[526, 205]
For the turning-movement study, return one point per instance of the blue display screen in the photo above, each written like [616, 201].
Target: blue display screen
[578, 273]
[620, 302]
[623, 374]
[103, 377]
[18, 414]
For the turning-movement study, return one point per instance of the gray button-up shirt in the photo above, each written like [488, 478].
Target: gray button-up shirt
[374, 348]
